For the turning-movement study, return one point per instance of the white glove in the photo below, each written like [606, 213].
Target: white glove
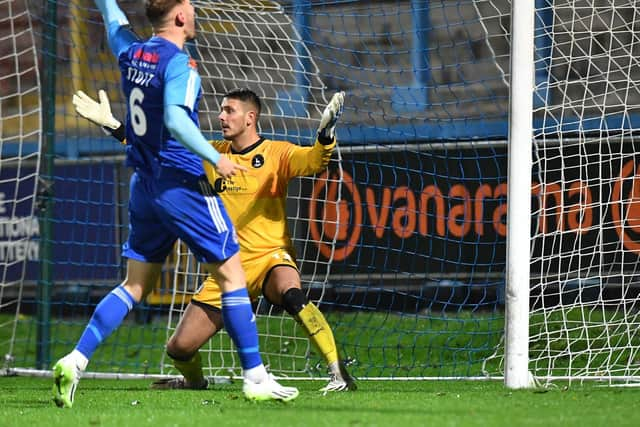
[330, 115]
[98, 113]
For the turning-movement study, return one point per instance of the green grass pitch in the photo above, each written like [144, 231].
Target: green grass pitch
[26, 401]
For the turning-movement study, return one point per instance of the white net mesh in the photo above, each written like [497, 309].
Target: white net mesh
[584, 265]
[20, 132]
[254, 44]
[418, 289]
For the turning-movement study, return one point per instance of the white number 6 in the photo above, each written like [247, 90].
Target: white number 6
[138, 119]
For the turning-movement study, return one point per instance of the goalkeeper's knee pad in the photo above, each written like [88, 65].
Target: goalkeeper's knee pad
[294, 301]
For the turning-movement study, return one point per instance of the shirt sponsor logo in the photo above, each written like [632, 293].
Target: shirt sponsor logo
[150, 57]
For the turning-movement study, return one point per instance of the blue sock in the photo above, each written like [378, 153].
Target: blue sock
[240, 323]
[107, 316]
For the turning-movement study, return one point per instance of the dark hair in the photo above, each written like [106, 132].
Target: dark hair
[156, 10]
[246, 95]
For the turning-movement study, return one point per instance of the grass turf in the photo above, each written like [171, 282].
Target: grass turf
[27, 402]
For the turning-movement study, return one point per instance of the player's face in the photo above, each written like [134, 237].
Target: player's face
[189, 20]
[234, 119]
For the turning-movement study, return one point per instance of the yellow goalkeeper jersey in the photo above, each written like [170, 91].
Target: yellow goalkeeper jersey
[256, 200]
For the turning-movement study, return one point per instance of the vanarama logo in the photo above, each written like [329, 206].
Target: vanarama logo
[344, 215]
[341, 214]
[335, 222]
[625, 209]
[450, 219]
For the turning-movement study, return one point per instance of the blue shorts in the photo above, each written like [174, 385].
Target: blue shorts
[170, 207]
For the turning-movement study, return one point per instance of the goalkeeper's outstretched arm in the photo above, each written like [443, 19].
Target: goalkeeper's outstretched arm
[99, 113]
[329, 119]
[304, 161]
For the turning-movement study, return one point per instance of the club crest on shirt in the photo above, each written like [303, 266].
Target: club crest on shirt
[257, 161]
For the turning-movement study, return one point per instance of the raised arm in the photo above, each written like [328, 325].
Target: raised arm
[330, 116]
[305, 161]
[119, 35]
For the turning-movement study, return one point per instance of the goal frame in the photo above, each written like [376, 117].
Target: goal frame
[519, 200]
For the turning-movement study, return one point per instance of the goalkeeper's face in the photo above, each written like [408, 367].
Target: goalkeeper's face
[236, 118]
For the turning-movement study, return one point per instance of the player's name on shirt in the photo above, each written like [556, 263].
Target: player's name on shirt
[140, 78]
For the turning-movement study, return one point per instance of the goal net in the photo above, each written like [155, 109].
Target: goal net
[402, 241]
[20, 138]
[255, 44]
[386, 240]
[584, 256]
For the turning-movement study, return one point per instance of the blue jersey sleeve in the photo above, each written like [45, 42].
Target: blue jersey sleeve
[182, 83]
[119, 36]
[187, 133]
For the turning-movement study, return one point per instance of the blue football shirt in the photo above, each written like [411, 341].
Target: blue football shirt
[156, 73]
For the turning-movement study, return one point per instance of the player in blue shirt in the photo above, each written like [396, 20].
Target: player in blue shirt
[170, 196]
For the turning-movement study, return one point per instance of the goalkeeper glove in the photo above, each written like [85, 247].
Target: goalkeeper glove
[330, 115]
[98, 113]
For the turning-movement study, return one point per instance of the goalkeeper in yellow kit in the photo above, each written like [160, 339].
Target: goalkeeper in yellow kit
[255, 202]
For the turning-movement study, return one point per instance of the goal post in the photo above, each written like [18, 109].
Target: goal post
[582, 313]
[519, 195]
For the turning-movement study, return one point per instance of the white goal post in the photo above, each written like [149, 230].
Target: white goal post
[519, 198]
[572, 274]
